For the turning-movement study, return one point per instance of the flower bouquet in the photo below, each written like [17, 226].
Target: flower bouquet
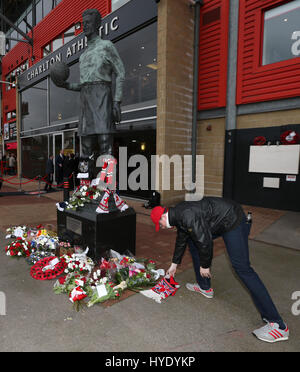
[79, 263]
[105, 290]
[82, 196]
[108, 268]
[17, 232]
[43, 245]
[137, 276]
[18, 248]
[65, 248]
[36, 256]
[135, 279]
[76, 286]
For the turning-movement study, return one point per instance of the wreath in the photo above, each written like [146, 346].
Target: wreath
[259, 141]
[289, 137]
[45, 270]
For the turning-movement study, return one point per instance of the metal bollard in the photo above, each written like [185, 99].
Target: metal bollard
[66, 189]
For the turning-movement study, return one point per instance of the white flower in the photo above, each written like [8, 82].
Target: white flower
[103, 280]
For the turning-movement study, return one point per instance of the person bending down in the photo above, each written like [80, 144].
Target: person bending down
[198, 223]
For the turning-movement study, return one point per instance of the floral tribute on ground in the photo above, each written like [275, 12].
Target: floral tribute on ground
[84, 281]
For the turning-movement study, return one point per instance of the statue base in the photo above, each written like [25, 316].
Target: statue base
[100, 232]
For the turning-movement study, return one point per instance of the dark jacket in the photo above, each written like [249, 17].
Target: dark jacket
[49, 167]
[68, 167]
[202, 221]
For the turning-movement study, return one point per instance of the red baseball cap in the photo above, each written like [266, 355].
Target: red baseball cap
[156, 214]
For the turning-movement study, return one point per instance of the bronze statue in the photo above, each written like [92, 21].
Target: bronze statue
[99, 110]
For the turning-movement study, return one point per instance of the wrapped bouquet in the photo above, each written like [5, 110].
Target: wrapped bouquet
[82, 196]
[18, 248]
[105, 290]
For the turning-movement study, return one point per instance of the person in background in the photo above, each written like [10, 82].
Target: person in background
[11, 164]
[76, 164]
[198, 223]
[15, 167]
[7, 164]
[68, 169]
[49, 174]
[71, 170]
[59, 174]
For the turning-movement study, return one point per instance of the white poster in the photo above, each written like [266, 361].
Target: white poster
[283, 159]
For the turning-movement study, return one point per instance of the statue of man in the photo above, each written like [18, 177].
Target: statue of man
[99, 109]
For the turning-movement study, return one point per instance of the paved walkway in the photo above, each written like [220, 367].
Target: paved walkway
[38, 320]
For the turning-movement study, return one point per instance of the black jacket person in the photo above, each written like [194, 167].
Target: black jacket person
[202, 221]
[198, 223]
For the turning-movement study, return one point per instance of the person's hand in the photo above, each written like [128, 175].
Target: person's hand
[117, 111]
[172, 270]
[205, 273]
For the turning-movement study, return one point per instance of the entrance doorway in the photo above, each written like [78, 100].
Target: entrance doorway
[57, 145]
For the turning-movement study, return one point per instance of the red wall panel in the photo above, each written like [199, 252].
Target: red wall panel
[256, 83]
[213, 52]
[67, 13]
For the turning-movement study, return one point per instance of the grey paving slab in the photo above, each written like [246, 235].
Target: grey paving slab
[284, 232]
[38, 320]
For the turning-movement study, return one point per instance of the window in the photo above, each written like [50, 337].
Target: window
[69, 34]
[57, 43]
[34, 107]
[48, 6]
[139, 55]
[115, 4]
[47, 50]
[65, 104]
[60, 40]
[39, 11]
[281, 40]
[34, 155]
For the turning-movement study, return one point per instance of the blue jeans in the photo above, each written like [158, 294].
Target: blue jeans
[236, 242]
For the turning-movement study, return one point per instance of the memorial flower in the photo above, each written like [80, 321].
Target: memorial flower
[17, 232]
[105, 290]
[18, 248]
[82, 196]
[78, 263]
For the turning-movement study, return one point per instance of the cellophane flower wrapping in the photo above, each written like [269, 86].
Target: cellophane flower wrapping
[17, 232]
[137, 274]
[78, 263]
[44, 244]
[103, 291]
[83, 196]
